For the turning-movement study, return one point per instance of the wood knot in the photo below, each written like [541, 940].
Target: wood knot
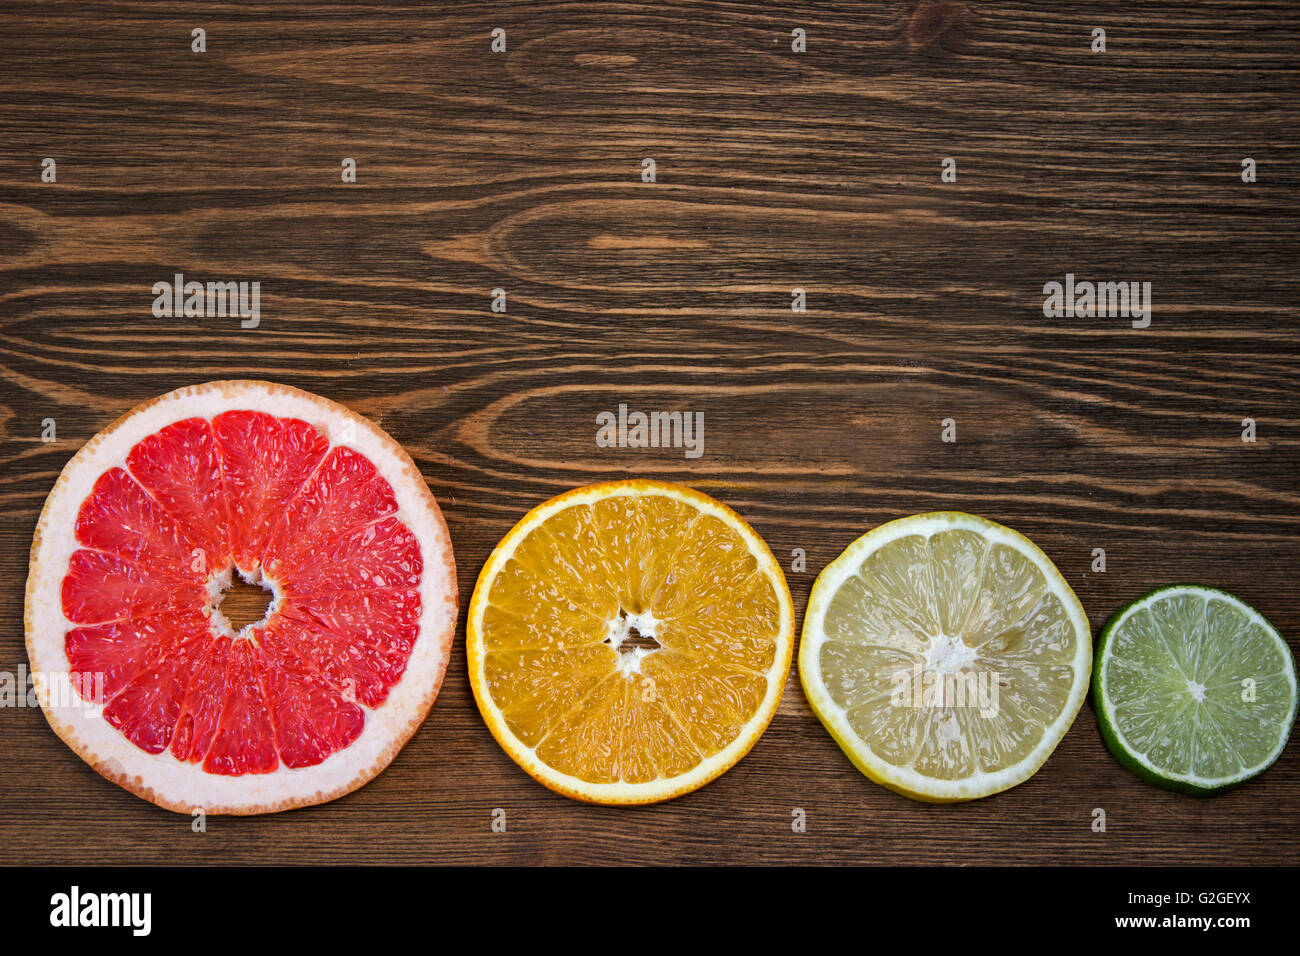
[931, 22]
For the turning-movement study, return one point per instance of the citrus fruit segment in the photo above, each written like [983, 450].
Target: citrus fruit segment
[629, 641]
[946, 655]
[1195, 690]
[137, 667]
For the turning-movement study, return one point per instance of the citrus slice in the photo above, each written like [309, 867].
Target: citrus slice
[628, 642]
[134, 662]
[946, 655]
[1195, 690]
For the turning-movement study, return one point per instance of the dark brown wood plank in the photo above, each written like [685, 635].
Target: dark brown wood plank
[775, 170]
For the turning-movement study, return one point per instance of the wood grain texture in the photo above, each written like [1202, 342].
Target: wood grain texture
[775, 170]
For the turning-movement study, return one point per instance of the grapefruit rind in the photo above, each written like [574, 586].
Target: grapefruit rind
[185, 787]
[623, 792]
[903, 780]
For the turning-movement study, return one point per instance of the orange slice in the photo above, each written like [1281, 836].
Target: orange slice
[628, 642]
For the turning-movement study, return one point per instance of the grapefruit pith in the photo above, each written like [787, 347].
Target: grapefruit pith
[140, 672]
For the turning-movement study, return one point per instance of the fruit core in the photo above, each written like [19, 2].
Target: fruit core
[242, 601]
[947, 655]
[633, 636]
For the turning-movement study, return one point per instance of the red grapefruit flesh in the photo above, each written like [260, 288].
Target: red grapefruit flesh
[135, 665]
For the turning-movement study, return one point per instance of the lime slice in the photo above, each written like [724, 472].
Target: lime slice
[946, 655]
[1195, 689]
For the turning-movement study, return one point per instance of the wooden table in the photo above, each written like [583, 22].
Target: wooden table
[775, 170]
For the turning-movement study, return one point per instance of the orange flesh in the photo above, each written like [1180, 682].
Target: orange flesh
[559, 605]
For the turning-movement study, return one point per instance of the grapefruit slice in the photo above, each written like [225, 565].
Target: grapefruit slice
[134, 662]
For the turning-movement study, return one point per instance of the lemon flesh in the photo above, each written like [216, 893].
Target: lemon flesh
[946, 655]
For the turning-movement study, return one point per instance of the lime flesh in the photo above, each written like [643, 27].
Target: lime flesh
[1195, 690]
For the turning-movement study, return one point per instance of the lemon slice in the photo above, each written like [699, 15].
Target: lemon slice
[946, 655]
[628, 642]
